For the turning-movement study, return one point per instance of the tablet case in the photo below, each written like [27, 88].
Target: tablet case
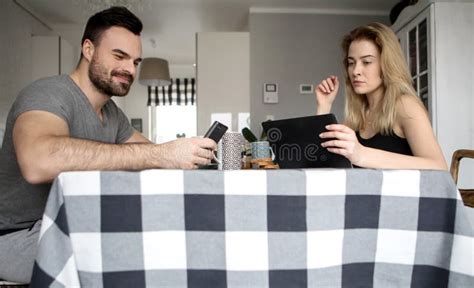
[296, 142]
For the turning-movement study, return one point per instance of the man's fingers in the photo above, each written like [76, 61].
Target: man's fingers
[206, 143]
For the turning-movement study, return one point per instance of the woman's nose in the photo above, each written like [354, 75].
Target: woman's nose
[356, 69]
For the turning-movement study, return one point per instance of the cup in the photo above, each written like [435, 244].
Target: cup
[262, 150]
[229, 151]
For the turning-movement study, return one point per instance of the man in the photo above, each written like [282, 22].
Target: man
[67, 123]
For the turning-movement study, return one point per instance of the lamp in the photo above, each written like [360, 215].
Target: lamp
[154, 72]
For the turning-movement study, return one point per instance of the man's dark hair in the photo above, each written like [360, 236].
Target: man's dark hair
[113, 16]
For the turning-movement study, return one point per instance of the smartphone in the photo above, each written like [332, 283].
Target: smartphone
[216, 131]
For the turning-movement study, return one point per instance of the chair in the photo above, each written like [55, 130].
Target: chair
[466, 194]
[7, 284]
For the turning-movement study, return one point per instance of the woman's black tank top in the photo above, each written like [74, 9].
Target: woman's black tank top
[389, 143]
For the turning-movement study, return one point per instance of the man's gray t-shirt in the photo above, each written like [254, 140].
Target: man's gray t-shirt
[22, 203]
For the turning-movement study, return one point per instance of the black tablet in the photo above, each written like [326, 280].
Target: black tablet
[296, 142]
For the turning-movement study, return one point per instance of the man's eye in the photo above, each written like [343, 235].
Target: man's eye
[119, 57]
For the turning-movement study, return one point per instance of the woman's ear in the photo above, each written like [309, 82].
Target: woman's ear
[88, 49]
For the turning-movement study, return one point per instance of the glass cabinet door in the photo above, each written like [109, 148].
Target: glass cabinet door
[418, 59]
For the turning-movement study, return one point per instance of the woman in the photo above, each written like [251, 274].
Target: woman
[387, 126]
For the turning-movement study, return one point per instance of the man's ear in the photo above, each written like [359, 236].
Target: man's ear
[88, 49]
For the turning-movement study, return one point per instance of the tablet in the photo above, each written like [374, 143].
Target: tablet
[296, 142]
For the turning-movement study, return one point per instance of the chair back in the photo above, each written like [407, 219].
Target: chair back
[466, 194]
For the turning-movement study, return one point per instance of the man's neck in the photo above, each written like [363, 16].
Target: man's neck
[97, 98]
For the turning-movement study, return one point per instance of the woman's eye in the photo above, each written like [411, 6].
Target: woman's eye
[367, 63]
[350, 63]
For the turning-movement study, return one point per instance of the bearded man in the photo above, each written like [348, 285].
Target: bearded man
[70, 123]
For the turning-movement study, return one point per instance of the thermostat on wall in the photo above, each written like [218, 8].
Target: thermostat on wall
[270, 93]
[306, 89]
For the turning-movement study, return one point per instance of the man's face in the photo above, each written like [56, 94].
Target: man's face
[113, 65]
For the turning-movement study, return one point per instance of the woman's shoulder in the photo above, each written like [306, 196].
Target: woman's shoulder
[410, 106]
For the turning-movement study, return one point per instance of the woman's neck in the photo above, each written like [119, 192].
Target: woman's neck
[374, 98]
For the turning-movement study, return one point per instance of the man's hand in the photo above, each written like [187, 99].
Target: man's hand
[186, 153]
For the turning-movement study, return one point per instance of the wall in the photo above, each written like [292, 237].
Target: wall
[222, 76]
[293, 49]
[454, 43]
[16, 50]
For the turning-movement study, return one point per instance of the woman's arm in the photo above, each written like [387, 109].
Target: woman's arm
[325, 93]
[416, 128]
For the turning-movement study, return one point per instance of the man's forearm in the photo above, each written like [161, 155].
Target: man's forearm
[57, 154]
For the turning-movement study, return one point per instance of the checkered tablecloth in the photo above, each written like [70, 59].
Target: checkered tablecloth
[253, 228]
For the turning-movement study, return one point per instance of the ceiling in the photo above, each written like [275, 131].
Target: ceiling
[170, 25]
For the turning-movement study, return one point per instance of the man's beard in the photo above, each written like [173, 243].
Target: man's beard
[104, 83]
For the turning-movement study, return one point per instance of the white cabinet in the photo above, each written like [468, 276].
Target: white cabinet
[437, 40]
[223, 83]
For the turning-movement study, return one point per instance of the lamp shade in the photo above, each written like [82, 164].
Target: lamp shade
[154, 72]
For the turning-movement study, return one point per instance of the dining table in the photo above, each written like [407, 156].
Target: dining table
[255, 228]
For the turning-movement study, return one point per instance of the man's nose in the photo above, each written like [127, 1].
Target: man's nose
[130, 67]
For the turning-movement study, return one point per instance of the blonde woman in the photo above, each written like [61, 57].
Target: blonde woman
[386, 124]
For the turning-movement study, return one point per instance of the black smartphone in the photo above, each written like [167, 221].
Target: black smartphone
[216, 131]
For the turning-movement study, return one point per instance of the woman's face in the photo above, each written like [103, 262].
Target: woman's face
[363, 67]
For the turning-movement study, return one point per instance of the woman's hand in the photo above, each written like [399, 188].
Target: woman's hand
[325, 93]
[343, 142]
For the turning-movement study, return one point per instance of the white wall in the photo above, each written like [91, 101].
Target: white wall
[16, 52]
[454, 43]
[222, 76]
[45, 59]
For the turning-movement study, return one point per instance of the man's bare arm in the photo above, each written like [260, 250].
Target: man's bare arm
[44, 149]
[137, 138]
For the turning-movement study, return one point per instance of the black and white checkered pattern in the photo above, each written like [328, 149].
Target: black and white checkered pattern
[254, 228]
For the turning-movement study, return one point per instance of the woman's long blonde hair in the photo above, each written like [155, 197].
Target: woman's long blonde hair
[395, 76]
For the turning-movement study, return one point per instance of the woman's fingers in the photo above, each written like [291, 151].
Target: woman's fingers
[336, 143]
[339, 151]
[339, 127]
[322, 88]
[326, 86]
[336, 134]
[330, 82]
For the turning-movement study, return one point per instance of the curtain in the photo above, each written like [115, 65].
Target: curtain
[181, 91]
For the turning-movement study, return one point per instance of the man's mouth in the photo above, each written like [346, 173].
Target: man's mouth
[123, 78]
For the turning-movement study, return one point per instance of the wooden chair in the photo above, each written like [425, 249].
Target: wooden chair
[7, 284]
[466, 194]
